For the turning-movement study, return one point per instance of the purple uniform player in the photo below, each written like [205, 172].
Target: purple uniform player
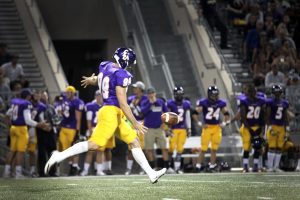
[211, 107]
[277, 125]
[113, 80]
[252, 109]
[183, 128]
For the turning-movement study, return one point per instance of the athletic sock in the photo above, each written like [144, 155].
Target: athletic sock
[7, 169]
[177, 165]
[140, 158]
[86, 167]
[129, 164]
[277, 160]
[18, 170]
[271, 157]
[107, 165]
[99, 167]
[78, 148]
[32, 169]
[245, 163]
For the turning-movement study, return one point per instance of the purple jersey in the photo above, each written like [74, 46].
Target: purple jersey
[239, 98]
[261, 95]
[211, 110]
[110, 76]
[37, 109]
[278, 108]
[68, 112]
[253, 110]
[92, 108]
[152, 112]
[17, 109]
[180, 109]
[136, 109]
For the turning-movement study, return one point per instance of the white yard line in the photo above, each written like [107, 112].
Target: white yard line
[72, 184]
[265, 198]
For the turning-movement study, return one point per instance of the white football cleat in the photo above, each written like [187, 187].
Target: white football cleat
[52, 161]
[171, 171]
[158, 174]
[278, 170]
[128, 172]
[100, 173]
[270, 170]
[84, 173]
[298, 169]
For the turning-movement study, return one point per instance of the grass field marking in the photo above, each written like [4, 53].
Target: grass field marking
[72, 184]
[287, 175]
[265, 198]
[138, 182]
[169, 199]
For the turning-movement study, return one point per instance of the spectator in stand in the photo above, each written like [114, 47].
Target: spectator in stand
[15, 87]
[255, 11]
[209, 11]
[269, 26]
[274, 77]
[250, 25]
[4, 56]
[281, 35]
[13, 70]
[285, 58]
[296, 35]
[251, 43]
[294, 80]
[236, 13]
[274, 9]
[4, 88]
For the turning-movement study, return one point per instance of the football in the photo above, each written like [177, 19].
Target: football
[170, 118]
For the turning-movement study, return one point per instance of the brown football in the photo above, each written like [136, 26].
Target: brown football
[170, 118]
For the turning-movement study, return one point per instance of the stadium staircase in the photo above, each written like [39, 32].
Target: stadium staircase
[233, 55]
[165, 41]
[13, 34]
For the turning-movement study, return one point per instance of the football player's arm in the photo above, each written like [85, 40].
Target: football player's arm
[244, 117]
[78, 115]
[199, 110]
[89, 80]
[122, 99]
[29, 121]
[236, 117]
[89, 117]
[226, 116]
[188, 121]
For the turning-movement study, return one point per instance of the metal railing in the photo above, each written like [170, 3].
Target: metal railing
[155, 59]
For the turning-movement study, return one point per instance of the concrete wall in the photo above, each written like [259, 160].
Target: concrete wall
[81, 19]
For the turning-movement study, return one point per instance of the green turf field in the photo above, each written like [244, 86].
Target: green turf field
[191, 186]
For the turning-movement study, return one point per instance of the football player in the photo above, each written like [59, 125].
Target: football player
[210, 108]
[20, 116]
[181, 130]
[251, 110]
[135, 102]
[277, 125]
[113, 80]
[91, 117]
[37, 114]
[71, 109]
